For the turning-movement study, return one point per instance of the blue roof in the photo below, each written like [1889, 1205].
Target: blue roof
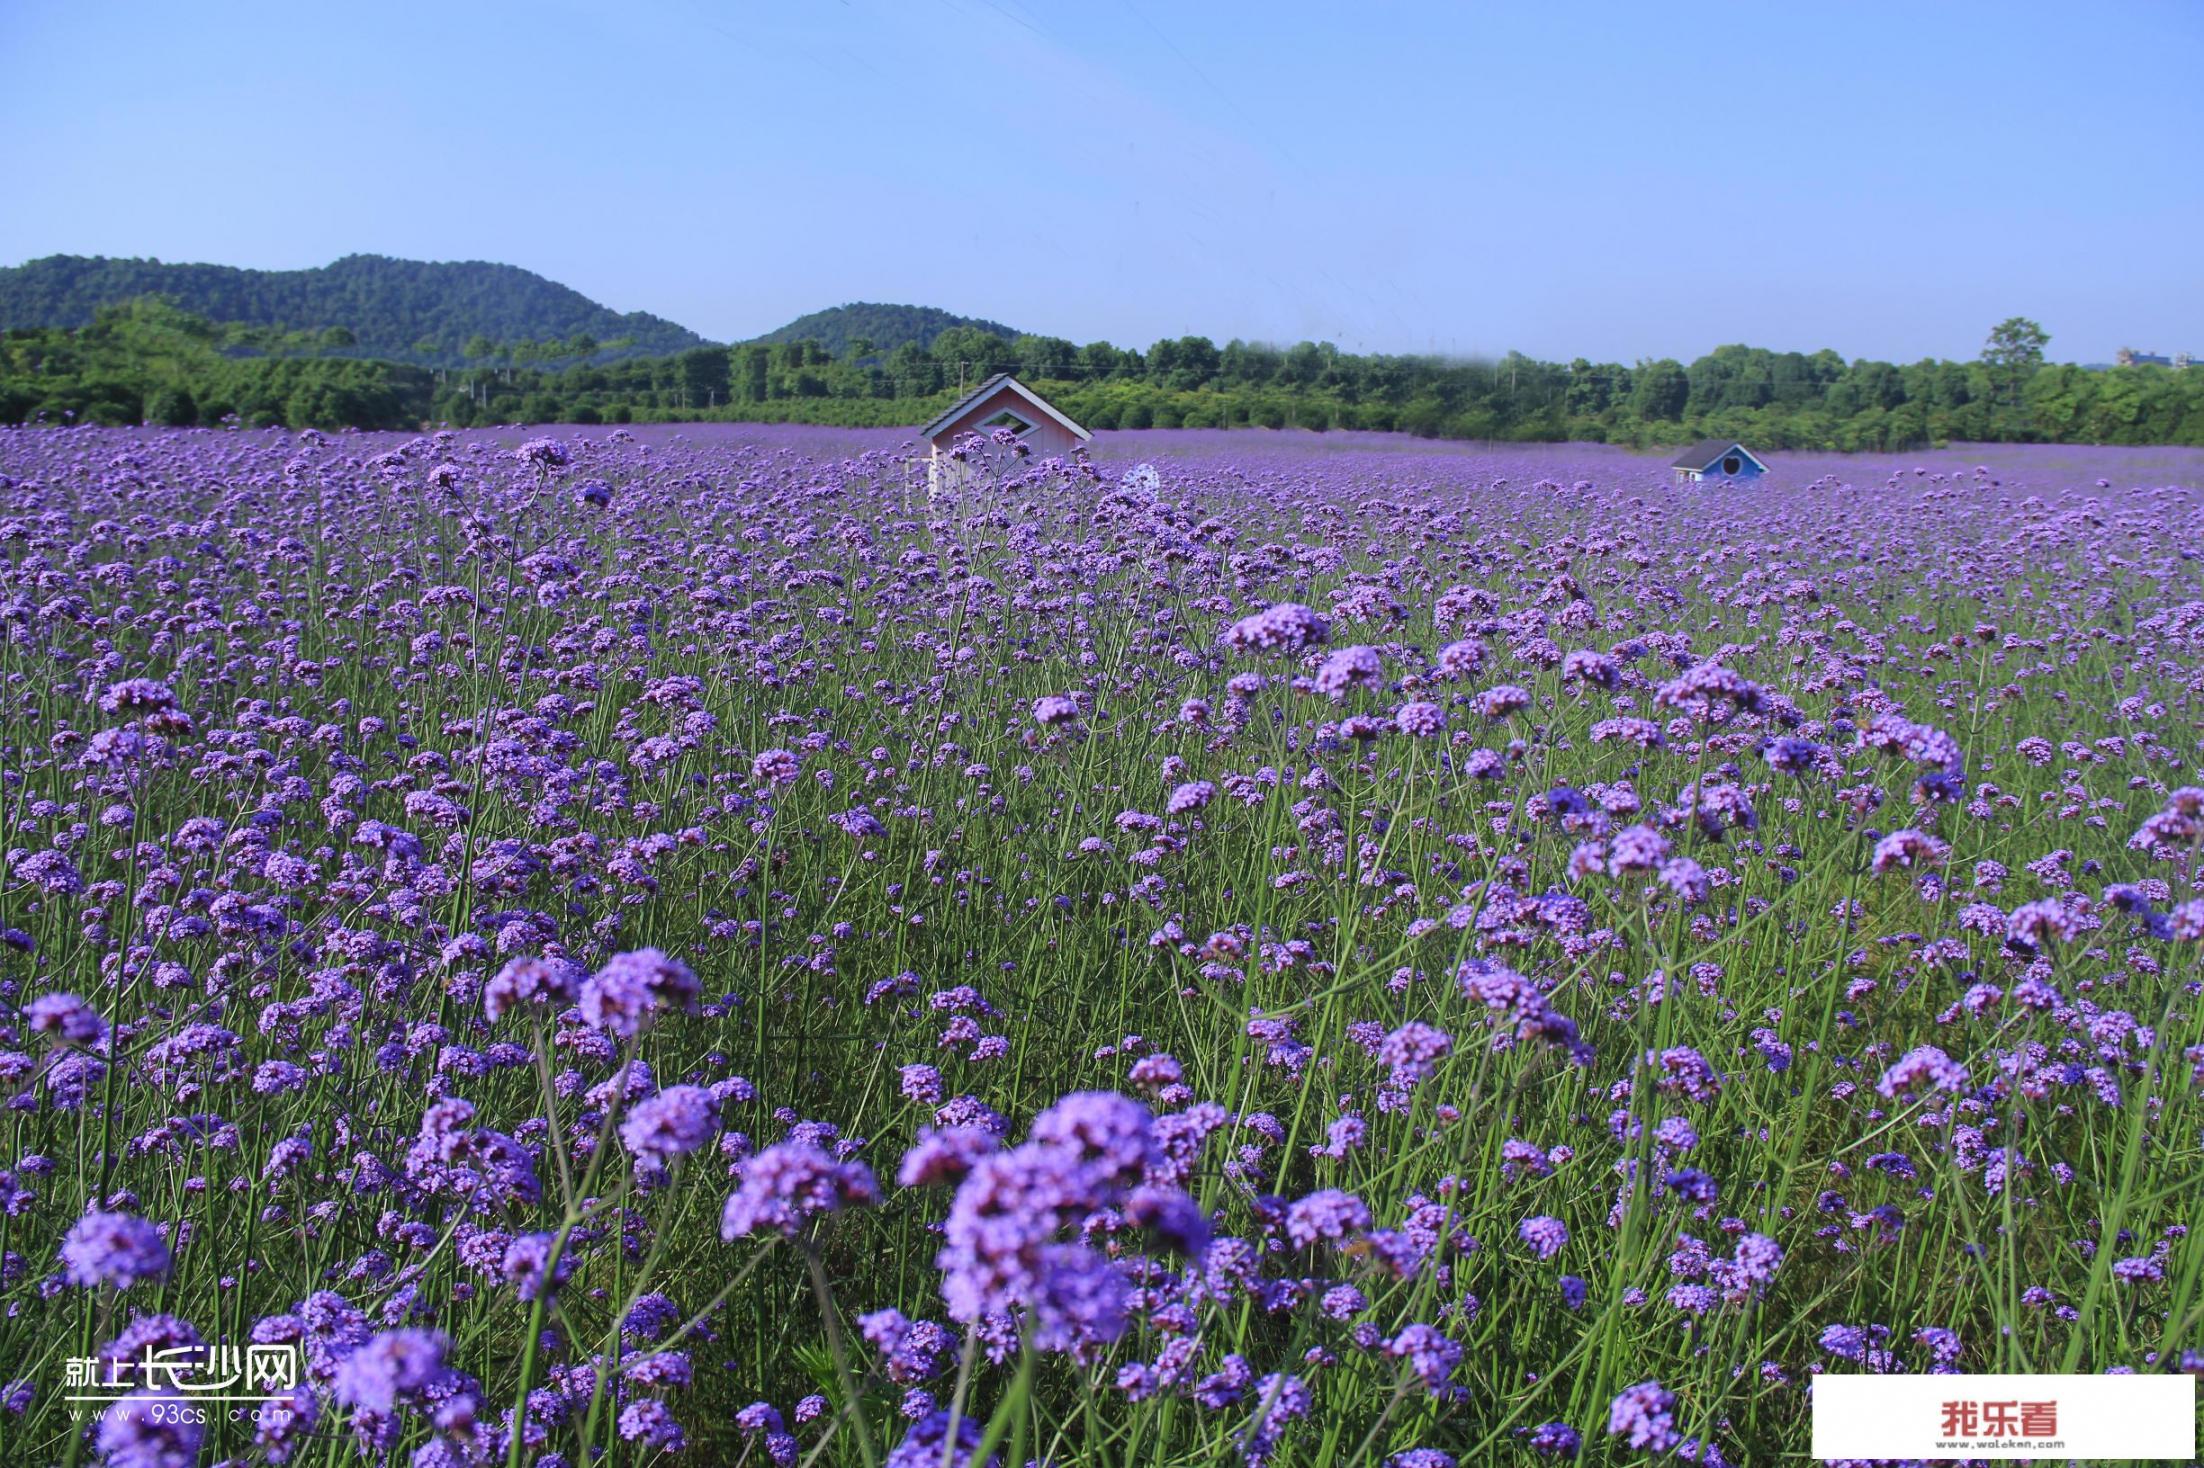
[1708, 452]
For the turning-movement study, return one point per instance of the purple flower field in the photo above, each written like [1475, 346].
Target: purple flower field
[601, 945]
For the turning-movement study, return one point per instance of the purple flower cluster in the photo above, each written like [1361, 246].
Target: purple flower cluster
[113, 1249]
[1004, 1253]
[790, 1183]
[453, 863]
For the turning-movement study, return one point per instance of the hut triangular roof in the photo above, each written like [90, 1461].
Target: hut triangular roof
[988, 388]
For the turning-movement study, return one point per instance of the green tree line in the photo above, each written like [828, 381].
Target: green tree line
[149, 362]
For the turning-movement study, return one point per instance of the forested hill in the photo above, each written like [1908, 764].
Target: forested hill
[882, 328]
[415, 311]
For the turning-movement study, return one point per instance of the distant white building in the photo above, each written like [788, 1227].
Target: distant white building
[2129, 357]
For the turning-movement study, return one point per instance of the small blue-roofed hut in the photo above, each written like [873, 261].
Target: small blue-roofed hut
[1717, 458]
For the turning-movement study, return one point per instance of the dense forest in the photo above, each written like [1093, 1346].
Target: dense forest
[417, 311]
[862, 328]
[147, 361]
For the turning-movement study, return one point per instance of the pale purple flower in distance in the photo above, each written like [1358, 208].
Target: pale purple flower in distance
[527, 1265]
[67, 1017]
[1280, 1400]
[671, 1124]
[2180, 823]
[621, 996]
[1156, 1072]
[1104, 1130]
[1431, 1354]
[2032, 924]
[1519, 1003]
[1686, 878]
[1595, 668]
[1502, 699]
[928, 1444]
[1461, 659]
[1546, 1236]
[1420, 719]
[944, 1155]
[1412, 1051]
[1853, 1342]
[790, 1183]
[1171, 1218]
[1681, 1070]
[1053, 709]
[650, 1317]
[1922, 1065]
[651, 1422]
[1344, 1302]
[1286, 627]
[1636, 849]
[1644, 1416]
[50, 871]
[1555, 1440]
[1756, 1259]
[1790, 755]
[1891, 733]
[543, 454]
[912, 1350]
[762, 1416]
[1909, 848]
[1421, 1458]
[1191, 796]
[1705, 689]
[1348, 668]
[858, 824]
[137, 696]
[113, 1249]
[546, 984]
[775, 767]
[920, 1083]
[1329, 1214]
[2139, 1268]
[391, 1365]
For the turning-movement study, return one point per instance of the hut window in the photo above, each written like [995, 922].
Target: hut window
[1730, 465]
[1009, 420]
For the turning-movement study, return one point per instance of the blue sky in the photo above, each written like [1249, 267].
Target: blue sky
[1612, 181]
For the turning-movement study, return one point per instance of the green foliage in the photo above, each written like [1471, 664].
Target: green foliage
[2016, 342]
[146, 361]
[431, 313]
[149, 360]
[2013, 354]
[883, 328]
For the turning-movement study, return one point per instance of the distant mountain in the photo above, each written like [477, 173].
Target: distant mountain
[403, 310]
[886, 327]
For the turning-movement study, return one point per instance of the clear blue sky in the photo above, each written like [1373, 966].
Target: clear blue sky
[1613, 181]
